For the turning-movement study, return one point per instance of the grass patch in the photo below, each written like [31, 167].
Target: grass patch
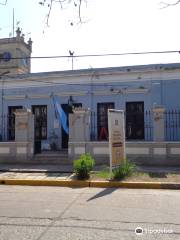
[137, 176]
[140, 174]
[104, 173]
[125, 170]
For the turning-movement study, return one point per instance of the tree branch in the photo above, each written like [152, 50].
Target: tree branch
[4, 3]
[61, 2]
[169, 4]
[49, 12]
[79, 10]
[49, 4]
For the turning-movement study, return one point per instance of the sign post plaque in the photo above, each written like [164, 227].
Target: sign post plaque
[116, 130]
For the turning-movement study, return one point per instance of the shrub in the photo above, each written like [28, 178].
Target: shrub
[83, 166]
[125, 170]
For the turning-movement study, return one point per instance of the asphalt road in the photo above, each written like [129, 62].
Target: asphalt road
[50, 213]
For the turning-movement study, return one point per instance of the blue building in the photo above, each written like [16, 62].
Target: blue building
[135, 89]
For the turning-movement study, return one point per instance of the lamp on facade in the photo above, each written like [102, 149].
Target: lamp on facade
[70, 101]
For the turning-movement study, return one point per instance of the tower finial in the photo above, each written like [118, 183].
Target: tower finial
[30, 44]
[18, 33]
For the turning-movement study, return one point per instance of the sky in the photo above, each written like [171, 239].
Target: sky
[109, 26]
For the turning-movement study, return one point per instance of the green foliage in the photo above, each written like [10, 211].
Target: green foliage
[125, 170]
[104, 173]
[83, 166]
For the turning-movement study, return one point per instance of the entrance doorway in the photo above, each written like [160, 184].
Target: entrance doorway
[11, 121]
[64, 136]
[40, 125]
[135, 120]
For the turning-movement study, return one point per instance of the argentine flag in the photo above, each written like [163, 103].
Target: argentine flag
[61, 115]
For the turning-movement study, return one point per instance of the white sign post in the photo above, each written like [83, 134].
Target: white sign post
[116, 130]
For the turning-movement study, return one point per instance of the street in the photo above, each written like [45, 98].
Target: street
[51, 213]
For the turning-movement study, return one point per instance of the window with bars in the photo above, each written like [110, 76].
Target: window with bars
[40, 121]
[102, 119]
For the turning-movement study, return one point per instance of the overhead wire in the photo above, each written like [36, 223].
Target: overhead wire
[97, 55]
[88, 55]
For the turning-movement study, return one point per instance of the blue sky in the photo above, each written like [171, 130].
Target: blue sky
[110, 27]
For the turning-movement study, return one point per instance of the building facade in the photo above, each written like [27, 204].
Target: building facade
[134, 89]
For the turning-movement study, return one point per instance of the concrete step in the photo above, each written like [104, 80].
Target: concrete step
[52, 157]
[50, 161]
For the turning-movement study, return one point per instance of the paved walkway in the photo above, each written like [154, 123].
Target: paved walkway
[56, 175]
[36, 168]
[59, 172]
[57, 168]
[162, 169]
[35, 175]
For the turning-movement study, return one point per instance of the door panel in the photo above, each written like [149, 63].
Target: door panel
[11, 122]
[135, 120]
[40, 125]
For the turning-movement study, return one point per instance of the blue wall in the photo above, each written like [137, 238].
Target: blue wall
[163, 92]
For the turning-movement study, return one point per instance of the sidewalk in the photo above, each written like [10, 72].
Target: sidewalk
[56, 175]
[35, 168]
[159, 169]
[56, 168]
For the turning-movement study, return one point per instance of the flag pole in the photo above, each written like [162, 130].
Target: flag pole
[13, 23]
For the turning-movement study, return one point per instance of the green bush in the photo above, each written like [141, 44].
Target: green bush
[83, 166]
[125, 170]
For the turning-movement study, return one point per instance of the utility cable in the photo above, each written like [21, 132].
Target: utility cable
[96, 55]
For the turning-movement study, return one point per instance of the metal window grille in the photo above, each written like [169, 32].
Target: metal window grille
[171, 122]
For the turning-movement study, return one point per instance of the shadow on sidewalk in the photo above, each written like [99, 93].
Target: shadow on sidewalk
[102, 193]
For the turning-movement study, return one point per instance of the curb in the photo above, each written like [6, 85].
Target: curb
[95, 184]
[137, 185]
[41, 182]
